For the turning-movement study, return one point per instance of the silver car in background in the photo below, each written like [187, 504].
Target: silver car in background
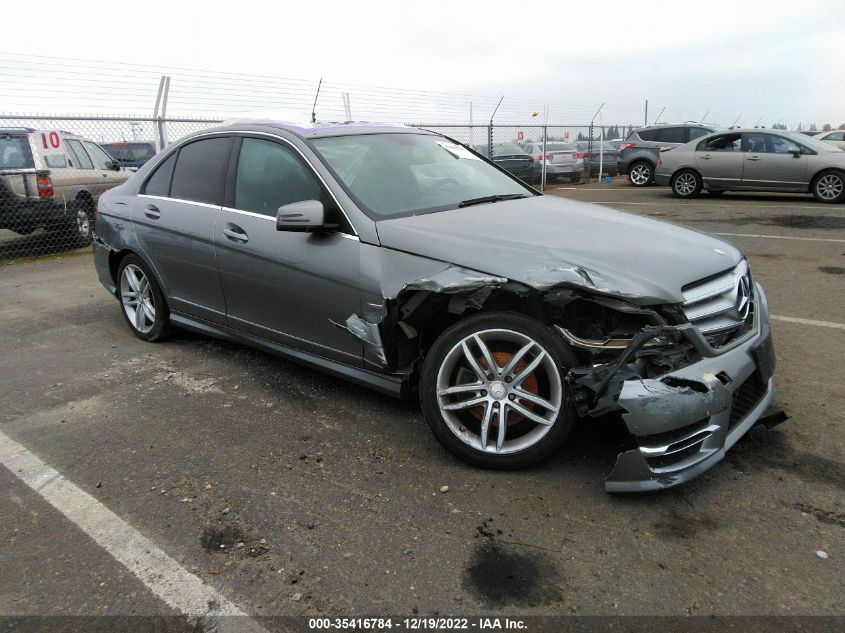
[563, 160]
[754, 160]
[834, 137]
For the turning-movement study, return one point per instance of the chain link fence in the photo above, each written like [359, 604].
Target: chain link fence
[54, 168]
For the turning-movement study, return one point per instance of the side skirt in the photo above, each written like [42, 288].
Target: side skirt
[389, 385]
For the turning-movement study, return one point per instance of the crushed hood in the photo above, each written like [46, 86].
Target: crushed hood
[544, 241]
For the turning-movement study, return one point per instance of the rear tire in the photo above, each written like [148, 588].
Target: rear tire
[83, 221]
[686, 183]
[141, 300]
[829, 186]
[641, 173]
[451, 381]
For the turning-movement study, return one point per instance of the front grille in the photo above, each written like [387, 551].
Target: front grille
[722, 306]
[747, 396]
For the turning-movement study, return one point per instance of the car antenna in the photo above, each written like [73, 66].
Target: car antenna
[314, 107]
[735, 121]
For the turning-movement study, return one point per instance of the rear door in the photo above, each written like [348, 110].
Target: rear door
[720, 159]
[289, 287]
[175, 218]
[770, 164]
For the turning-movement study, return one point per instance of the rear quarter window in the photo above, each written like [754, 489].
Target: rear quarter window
[648, 135]
[671, 135]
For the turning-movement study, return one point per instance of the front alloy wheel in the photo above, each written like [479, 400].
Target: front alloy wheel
[496, 395]
[829, 187]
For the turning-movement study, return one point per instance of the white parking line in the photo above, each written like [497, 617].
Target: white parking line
[177, 587]
[838, 326]
[784, 237]
[738, 205]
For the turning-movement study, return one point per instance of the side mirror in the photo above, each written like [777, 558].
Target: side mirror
[794, 150]
[308, 215]
[113, 165]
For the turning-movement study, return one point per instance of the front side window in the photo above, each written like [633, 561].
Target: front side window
[780, 145]
[200, 171]
[755, 142]
[101, 158]
[270, 176]
[392, 175]
[80, 156]
[721, 143]
[836, 136]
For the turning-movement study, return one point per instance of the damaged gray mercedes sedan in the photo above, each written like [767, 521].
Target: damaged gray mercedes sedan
[402, 260]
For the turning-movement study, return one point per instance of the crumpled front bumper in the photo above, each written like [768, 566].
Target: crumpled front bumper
[685, 421]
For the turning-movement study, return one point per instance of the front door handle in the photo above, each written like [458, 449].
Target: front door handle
[152, 212]
[753, 158]
[236, 234]
[707, 157]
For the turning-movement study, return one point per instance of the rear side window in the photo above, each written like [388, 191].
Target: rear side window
[200, 171]
[15, 153]
[270, 176]
[671, 135]
[721, 143]
[81, 158]
[836, 136]
[159, 182]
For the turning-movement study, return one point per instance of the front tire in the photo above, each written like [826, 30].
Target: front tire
[141, 300]
[493, 393]
[686, 183]
[829, 186]
[641, 174]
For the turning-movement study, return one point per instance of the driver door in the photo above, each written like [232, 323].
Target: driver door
[288, 287]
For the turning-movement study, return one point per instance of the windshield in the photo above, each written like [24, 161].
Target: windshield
[130, 152]
[15, 152]
[391, 175]
[813, 143]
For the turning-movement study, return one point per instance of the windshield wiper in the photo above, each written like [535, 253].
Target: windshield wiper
[485, 199]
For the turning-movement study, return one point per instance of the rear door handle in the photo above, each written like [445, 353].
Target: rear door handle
[706, 157]
[152, 212]
[753, 158]
[236, 234]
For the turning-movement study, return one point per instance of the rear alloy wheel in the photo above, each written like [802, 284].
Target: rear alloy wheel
[492, 390]
[829, 186]
[641, 174]
[84, 220]
[143, 304]
[686, 184]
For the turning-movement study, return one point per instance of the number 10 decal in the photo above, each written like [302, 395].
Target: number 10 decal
[53, 138]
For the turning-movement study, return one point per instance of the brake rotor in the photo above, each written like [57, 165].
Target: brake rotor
[529, 384]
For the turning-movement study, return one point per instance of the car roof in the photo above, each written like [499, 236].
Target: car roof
[320, 129]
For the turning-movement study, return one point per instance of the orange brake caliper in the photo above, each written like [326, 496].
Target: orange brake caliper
[529, 384]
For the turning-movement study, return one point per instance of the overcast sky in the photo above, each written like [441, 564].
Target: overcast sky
[776, 60]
